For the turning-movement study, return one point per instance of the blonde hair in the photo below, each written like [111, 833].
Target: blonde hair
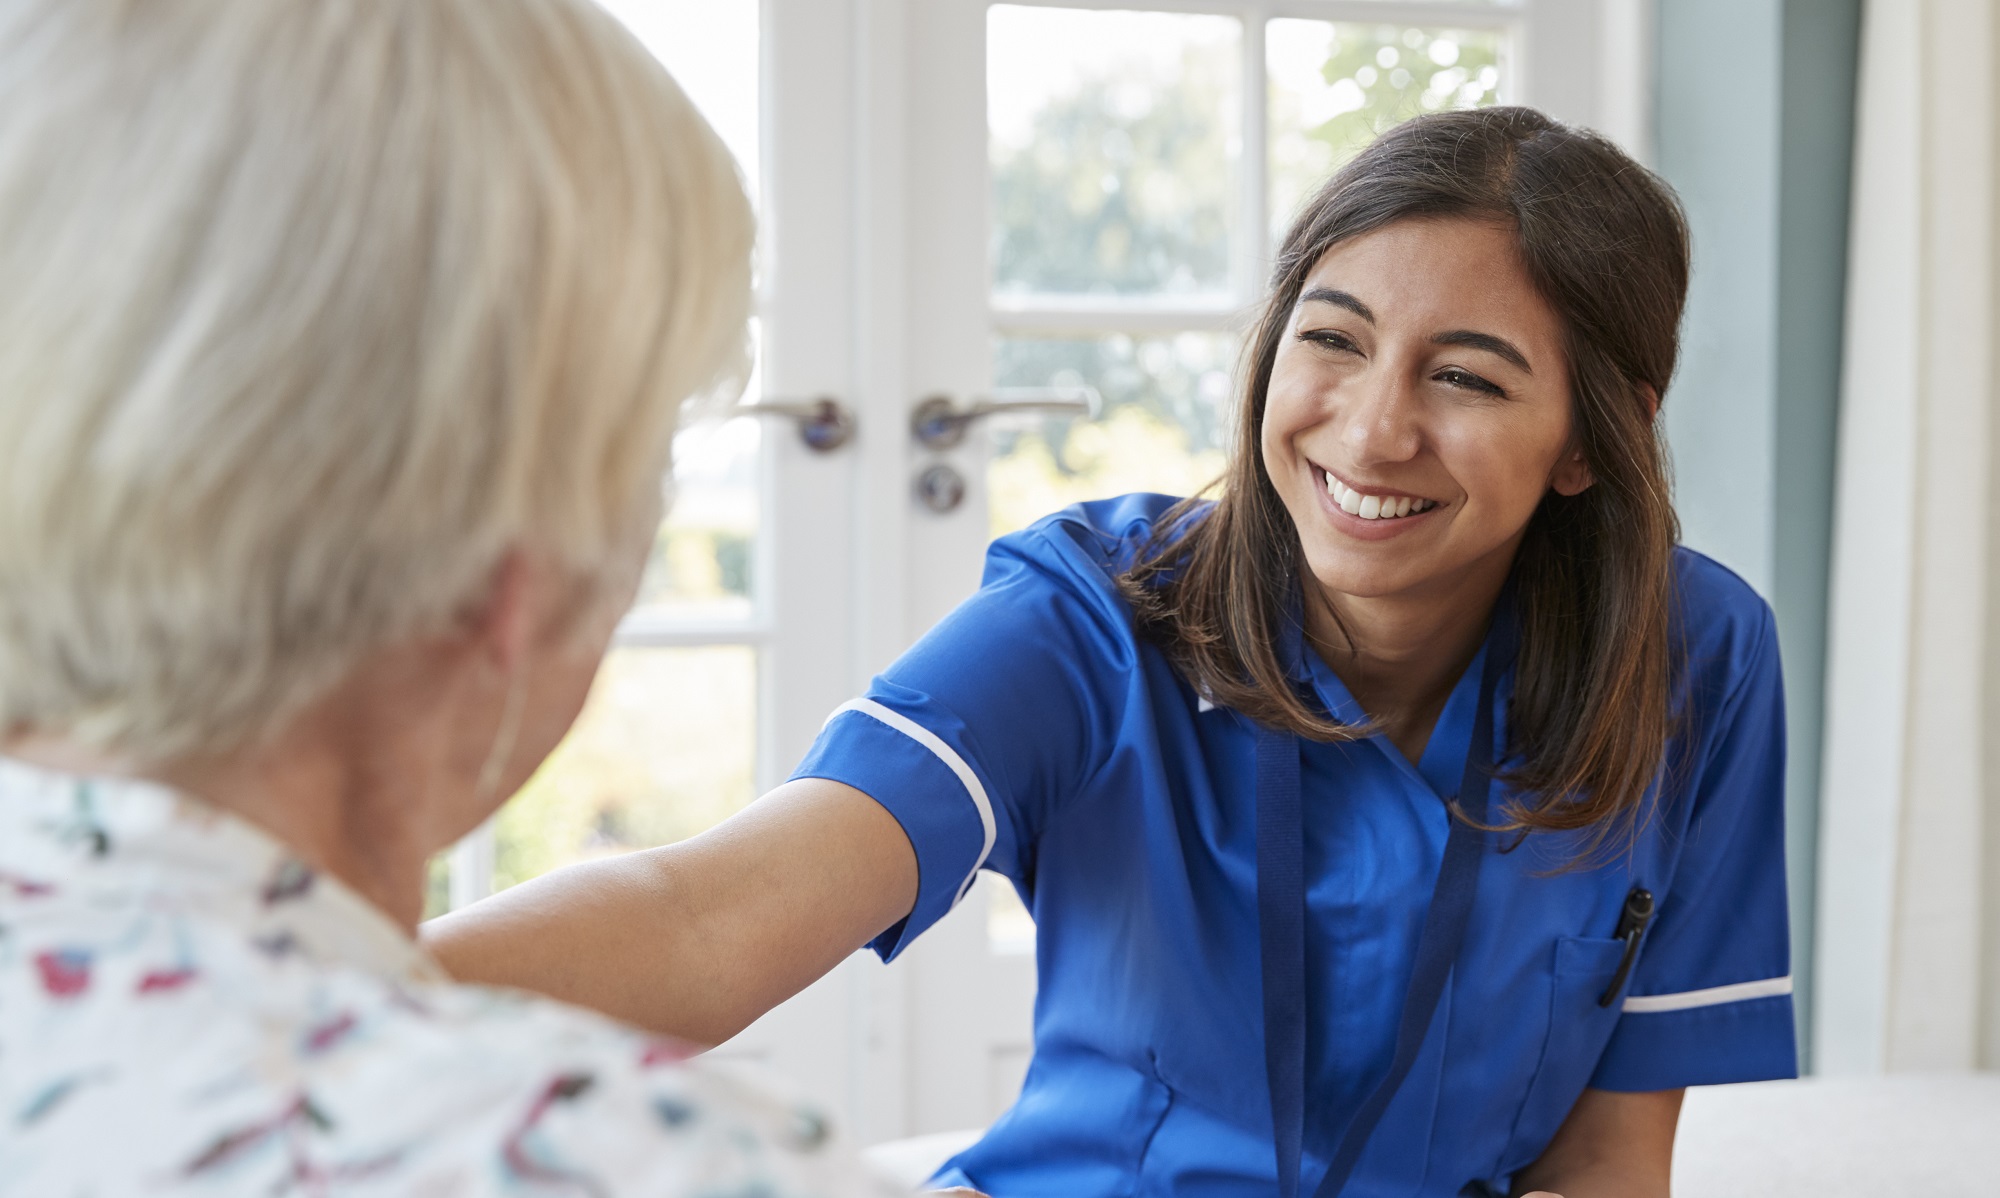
[312, 310]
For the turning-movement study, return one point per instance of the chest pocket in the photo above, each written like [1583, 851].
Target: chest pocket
[1573, 1040]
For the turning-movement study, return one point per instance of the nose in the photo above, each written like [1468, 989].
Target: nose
[1382, 420]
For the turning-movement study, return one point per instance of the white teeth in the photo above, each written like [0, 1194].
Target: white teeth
[1373, 507]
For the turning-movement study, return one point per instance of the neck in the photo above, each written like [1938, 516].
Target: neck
[1401, 655]
[337, 812]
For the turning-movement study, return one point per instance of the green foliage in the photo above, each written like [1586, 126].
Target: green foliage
[437, 886]
[1392, 73]
[1123, 186]
[697, 565]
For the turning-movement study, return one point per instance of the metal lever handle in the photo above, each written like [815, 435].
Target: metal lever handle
[824, 422]
[939, 423]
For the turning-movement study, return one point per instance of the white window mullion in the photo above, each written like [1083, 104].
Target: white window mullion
[1253, 227]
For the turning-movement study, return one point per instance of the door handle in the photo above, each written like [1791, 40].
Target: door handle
[824, 422]
[939, 422]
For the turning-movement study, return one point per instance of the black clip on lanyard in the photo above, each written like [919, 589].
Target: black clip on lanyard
[1281, 914]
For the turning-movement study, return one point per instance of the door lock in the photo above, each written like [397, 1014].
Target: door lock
[941, 488]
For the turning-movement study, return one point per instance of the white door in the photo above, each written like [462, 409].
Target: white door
[1095, 189]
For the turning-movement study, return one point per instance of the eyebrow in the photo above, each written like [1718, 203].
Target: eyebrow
[1499, 346]
[1339, 299]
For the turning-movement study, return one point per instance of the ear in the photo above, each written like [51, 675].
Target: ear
[1652, 400]
[502, 628]
[1572, 475]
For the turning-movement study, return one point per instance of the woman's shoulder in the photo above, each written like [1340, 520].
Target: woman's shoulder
[1097, 540]
[1727, 627]
[1076, 555]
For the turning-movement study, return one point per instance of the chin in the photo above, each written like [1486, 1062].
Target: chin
[1357, 576]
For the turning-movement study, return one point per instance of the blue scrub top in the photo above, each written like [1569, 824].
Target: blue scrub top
[1033, 733]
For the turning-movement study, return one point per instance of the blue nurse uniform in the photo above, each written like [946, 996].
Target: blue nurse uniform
[1034, 733]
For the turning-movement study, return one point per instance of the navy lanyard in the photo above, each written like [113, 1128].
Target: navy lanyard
[1281, 925]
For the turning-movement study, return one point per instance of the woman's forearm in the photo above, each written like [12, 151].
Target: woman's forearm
[1612, 1145]
[698, 939]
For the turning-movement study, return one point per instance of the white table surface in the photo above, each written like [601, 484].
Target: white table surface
[1934, 1135]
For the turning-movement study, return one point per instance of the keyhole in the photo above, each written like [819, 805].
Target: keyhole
[941, 488]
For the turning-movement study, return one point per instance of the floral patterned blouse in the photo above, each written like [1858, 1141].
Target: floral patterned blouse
[187, 1009]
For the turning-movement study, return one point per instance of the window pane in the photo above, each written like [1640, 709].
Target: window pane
[1164, 426]
[437, 885]
[1113, 138]
[700, 566]
[665, 748]
[1335, 86]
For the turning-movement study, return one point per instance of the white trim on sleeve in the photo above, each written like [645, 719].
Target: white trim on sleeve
[1653, 1004]
[952, 761]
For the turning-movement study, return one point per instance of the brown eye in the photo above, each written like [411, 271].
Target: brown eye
[1468, 381]
[1331, 338]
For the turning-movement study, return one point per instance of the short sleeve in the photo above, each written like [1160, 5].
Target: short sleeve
[994, 718]
[1711, 997]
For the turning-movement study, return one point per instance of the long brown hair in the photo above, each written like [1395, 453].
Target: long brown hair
[1605, 243]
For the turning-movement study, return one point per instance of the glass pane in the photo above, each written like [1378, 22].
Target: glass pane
[1164, 426]
[1113, 138]
[1334, 86]
[437, 885]
[700, 566]
[665, 748]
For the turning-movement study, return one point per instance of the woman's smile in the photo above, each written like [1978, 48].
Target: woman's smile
[1371, 513]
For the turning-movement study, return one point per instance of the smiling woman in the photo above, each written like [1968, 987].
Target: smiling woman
[1305, 786]
[1397, 358]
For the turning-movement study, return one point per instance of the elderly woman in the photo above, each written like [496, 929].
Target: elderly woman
[341, 347]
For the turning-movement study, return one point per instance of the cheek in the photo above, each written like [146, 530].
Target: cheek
[1504, 464]
[1288, 410]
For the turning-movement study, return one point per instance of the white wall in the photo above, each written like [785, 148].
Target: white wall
[1906, 960]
